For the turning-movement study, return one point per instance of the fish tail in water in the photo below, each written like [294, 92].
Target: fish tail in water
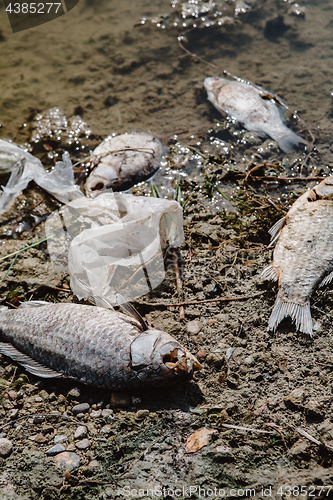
[288, 139]
[299, 313]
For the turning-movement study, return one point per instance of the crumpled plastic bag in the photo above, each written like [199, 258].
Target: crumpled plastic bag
[120, 247]
[59, 181]
[109, 244]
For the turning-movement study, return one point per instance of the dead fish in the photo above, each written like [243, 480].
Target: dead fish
[93, 345]
[303, 256]
[253, 107]
[123, 161]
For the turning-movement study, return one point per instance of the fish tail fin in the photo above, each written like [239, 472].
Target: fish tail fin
[299, 313]
[288, 140]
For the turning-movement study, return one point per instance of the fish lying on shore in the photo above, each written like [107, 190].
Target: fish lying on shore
[253, 108]
[124, 161]
[303, 256]
[93, 345]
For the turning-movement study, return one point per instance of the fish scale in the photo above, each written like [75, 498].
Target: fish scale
[93, 345]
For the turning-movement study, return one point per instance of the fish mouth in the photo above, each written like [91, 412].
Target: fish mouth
[180, 361]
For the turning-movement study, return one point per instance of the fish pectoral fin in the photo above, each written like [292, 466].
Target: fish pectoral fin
[98, 301]
[275, 231]
[269, 273]
[35, 303]
[29, 364]
[327, 279]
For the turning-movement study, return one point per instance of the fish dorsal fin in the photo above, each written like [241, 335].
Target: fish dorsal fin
[100, 302]
[29, 364]
[131, 311]
[275, 231]
[35, 303]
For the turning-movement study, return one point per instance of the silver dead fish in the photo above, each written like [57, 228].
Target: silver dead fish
[303, 256]
[94, 345]
[123, 161]
[253, 107]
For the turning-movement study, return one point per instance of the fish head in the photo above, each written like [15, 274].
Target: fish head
[324, 189]
[156, 356]
[213, 85]
[100, 179]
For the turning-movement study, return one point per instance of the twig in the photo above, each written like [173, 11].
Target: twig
[248, 429]
[178, 284]
[27, 248]
[283, 179]
[226, 299]
[308, 436]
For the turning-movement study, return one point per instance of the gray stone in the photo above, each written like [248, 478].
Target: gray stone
[194, 327]
[105, 429]
[81, 408]
[6, 447]
[38, 419]
[38, 399]
[107, 412]
[74, 393]
[249, 360]
[58, 448]
[67, 460]
[13, 414]
[96, 413]
[83, 445]
[60, 439]
[295, 398]
[81, 432]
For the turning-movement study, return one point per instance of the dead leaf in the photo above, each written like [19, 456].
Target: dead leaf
[198, 439]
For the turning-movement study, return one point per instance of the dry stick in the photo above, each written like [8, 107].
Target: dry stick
[249, 429]
[178, 284]
[308, 436]
[294, 179]
[209, 300]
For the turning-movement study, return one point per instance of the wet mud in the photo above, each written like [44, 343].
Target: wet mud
[99, 63]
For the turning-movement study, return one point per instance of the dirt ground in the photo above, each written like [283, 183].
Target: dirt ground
[272, 387]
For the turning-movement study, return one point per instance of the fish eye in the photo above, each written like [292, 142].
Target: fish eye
[98, 187]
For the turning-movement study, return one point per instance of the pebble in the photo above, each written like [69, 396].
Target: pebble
[107, 413]
[60, 439]
[6, 447]
[83, 445]
[67, 460]
[295, 398]
[13, 414]
[96, 413]
[38, 419]
[194, 327]
[58, 448]
[93, 464]
[249, 360]
[105, 429]
[53, 396]
[81, 432]
[70, 447]
[38, 399]
[142, 413]
[12, 394]
[74, 393]
[81, 408]
[80, 416]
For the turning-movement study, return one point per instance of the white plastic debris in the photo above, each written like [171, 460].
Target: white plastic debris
[119, 245]
[59, 181]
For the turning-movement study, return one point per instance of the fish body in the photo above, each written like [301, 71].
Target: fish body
[303, 255]
[92, 345]
[253, 108]
[123, 161]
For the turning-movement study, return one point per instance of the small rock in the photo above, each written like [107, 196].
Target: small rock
[142, 413]
[58, 448]
[314, 408]
[249, 360]
[6, 447]
[67, 460]
[61, 399]
[226, 450]
[107, 412]
[70, 447]
[13, 414]
[74, 393]
[120, 400]
[38, 419]
[81, 408]
[299, 448]
[295, 398]
[83, 445]
[53, 396]
[194, 327]
[96, 413]
[12, 394]
[60, 439]
[105, 429]
[39, 438]
[38, 399]
[229, 352]
[80, 416]
[215, 359]
[221, 317]
[43, 394]
[81, 432]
